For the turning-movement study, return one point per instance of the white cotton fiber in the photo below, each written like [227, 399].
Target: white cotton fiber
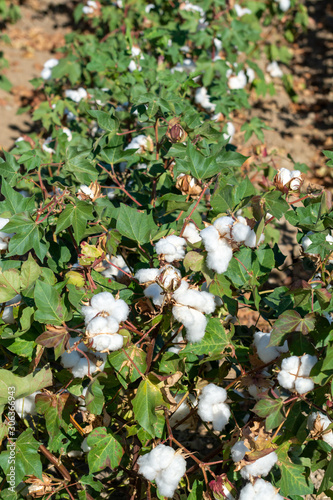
[274, 70]
[183, 410]
[26, 406]
[107, 342]
[307, 363]
[238, 81]
[238, 451]
[210, 237]
[201, 301]
[70, 359]
[112, 271]
[155, 293]
[194, 321]
[223, 225]
[169, 278]
[211, 407]
[260, 467]
[145, 275]
[260, 490]
[80, 370]
[191, 234]
[303, 385]
[218, 260]
[102, 325]
[172, 248]
[240, 232]
[84, 446]
[265, 353]
[294, 373]
[324, 422]
[164, 466]
[119, 310]
[102, 301]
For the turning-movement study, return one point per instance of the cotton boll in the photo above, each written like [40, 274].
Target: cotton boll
[181, 412]
[240, 11]
[80, 370]
[202, 301]
[107, 342]
[307, 363]
[84, 446]
[119, 310]
[169, 278]
[112, 271]
[155, 292]
[240, 232]
[274, 70]
[171, 247]
[237, 82]
[210, 237]
[250, 74]
[194, 322]
[191, 234]
[221, 415]
[303, 385]
[286, 380]
[265, 353]
[211, 407]
[45, 147]
[306, 242]
[203, 98]
[102, 325]
[26, 406]
[219, 259]
[145, 275]
[101, 301]
[260, 490]
[284, 5]
[322, 422]
[76, 95]
[329, 239]
[291, 365]
[229, 133]
[168, 478]
[70, 359]
[260, 467]
[223, 226]
[238, 451]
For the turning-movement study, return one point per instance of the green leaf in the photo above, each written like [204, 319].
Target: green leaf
[30, 272]
[135, 225]
[199, 166]
[27, 460]
[125, 370]
[27, 236]
[275, 204]
[24, 386]
[81, 213]
[287, 322]
[271, 409]
[10, 284]
[147, 398]
[15, 202]
[104, 120]
[106, 450]
[48, 303]
[94, 397]
[215, 340]
[293, 480]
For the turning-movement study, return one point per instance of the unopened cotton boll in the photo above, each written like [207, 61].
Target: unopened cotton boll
[191, 234]
[260, 467]
[171, 247]
[212, 406]
[274, 70]
[26, 406]
[145, 275]
[260, 490]
[238, 451]
[265, 353]
[295, 180]
[155, 293]
[194, 322]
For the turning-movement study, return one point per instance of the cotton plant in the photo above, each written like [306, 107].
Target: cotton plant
[295, 373]
[212, 406]
[164, 466]
[288, 180]
[102, 319]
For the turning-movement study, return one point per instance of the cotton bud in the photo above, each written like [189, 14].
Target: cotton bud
[169, 278]
[175, 132]
[259, 490]
[318, 423]
[212, 406]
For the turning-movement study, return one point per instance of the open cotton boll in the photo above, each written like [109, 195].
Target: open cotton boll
[155, 293]
[260, 467]
[70, 359]
[191, 234]
[265, 353]
[319, 422]
[112, 271]
[202, 301]
[230, 132]
[210, 237]
[84, 446]
[237, 82]
[171, 247]
[274, 70]
[194, 322]
[145, 275]
[223, 226]
[106, 342]
[284, 5]
[203, 98]
[211, 406]
[307, 363]
[238, 451]
[218, 260]
[251, 240]
[101, 301]
[140, 143]
[240, 232]
[306, 242]
[250, 74]
[154, 461]
[260, 490]
[76, 95]
[45, 146]
[102, 325]
[178, 344]
[329, 239]
[295, 180]
[182, 412]
[26, 406]
[169, 278]
[240, 11]
[303, 385]
[46, 72]
[168, 478]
